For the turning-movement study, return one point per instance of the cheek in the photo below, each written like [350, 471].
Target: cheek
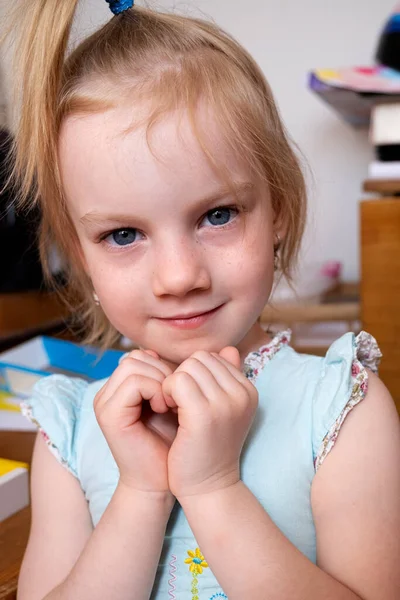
[122, 308]
[257, 278]
[255, 262]
[119, 295]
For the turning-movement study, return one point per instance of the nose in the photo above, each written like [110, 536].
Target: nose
[179, 268]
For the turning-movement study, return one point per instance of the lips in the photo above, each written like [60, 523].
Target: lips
[190, 320]
[188, 316]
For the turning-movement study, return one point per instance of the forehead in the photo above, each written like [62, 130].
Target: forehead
[110, 154]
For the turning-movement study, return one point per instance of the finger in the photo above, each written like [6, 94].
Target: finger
[183, 391]
[236, 372]
[197, 367]
[127, 368]
[130, 366]
[152, 353]
[238, 391]
[241, 378]
[151, 357]
[222, 371]
[125, 405]
[231, 355]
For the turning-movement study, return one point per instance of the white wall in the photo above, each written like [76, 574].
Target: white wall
[289, 38]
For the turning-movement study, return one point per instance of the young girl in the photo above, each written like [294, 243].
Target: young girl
[215, 462]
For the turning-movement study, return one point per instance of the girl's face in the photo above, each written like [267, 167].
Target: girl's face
[161, 236]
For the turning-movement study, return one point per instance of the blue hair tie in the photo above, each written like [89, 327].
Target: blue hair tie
[119, 6]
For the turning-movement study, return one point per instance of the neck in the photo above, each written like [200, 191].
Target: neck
[253, 340]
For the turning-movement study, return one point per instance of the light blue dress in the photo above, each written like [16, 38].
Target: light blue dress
[303, 401]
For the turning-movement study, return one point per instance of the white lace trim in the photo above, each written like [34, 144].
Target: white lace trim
[255, 361]
[367, 351]
[27, 411]
[366, 355]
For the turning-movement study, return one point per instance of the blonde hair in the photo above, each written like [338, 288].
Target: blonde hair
[172, 62]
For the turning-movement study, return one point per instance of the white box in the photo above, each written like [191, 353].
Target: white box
[385, 124]
[14, 487]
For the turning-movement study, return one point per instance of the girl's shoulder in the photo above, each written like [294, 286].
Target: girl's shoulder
[278, 357]
[56, 406]
[342, 384]
[314, 393]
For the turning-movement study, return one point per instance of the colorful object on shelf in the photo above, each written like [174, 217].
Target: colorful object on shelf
[23, 366]
[354, 91]
[373, 80]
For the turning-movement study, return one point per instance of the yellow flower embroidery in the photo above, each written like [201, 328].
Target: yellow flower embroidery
[196, 562]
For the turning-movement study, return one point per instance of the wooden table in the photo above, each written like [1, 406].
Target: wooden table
[25, 310]
[27, 314]
[14, 533]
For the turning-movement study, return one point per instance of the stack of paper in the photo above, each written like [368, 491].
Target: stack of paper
[385, 138]
[11, 418]
[14, 487]
[23, 366]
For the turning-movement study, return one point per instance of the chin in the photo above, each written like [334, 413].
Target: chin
[178, 352]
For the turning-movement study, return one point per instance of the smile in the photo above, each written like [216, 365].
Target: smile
[191, 321]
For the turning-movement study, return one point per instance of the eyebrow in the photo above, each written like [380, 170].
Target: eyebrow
[95, 218]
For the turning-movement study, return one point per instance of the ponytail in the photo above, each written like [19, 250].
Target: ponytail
[42, 30]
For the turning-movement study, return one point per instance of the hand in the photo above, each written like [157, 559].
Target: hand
[216, 407]
[136, 422]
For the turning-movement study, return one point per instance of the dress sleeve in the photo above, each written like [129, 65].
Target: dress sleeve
[54, 408]
[342, 385]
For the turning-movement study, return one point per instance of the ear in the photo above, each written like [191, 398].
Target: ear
[280, 220]
[280, 227]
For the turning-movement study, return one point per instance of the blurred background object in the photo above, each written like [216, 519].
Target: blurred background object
[20, 266]
[388, 53]
[310, 282]
[354, 91]
[27, 308]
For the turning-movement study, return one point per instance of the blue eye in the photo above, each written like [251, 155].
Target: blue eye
[220, 216]
[122, 237]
